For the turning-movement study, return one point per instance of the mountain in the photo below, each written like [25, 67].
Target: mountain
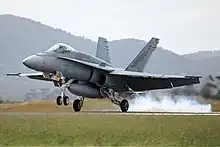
[202, 55]
[21, 37]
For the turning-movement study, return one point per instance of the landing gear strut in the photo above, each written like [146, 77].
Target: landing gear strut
[77, 104]
[63, 99]
[124, 105]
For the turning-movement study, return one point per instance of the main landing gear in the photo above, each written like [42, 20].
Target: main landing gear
[124, 104]
[77, 104]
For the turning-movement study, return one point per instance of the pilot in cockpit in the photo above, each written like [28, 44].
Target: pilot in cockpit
[60, 48]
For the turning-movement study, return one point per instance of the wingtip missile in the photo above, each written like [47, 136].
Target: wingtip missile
[13, 74]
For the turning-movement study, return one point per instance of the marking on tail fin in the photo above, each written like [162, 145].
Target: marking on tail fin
[140, 61]
[102, 51]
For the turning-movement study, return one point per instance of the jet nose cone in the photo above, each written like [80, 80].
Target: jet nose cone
[33, 62]
[26, 61]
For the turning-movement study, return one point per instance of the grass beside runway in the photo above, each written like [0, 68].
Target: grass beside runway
[98, 130]
[215, 105]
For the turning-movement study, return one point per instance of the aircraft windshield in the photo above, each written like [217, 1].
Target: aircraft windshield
[60, 48]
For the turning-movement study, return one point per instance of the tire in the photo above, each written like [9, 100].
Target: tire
[66, 100]
[124, 105]
[77, 105]
[59, 101]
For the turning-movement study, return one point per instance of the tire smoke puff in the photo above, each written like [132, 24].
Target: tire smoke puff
[167, 103]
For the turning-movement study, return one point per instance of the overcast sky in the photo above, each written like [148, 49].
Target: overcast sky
[183, 26]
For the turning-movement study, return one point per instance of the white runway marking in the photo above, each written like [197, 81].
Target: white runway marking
[115, 113]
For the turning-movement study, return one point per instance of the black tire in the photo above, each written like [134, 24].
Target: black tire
[59, 101]
[77, 105]
[66, 100]
[124, 105]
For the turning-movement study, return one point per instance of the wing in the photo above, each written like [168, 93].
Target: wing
[138, 81]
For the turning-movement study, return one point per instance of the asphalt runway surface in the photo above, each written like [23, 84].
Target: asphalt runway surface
[98, 112]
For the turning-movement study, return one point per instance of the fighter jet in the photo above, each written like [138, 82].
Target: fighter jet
[89, 76]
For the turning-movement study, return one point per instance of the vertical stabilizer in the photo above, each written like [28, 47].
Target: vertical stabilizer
[140, 61]
[102, 51]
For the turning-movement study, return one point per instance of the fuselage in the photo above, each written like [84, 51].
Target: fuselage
[87, 78]
[48, 61]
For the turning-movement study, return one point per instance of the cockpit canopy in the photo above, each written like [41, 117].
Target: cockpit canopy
[61, 48]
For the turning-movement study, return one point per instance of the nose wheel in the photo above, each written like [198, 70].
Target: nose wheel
[59, 101]
[66, 100]
[62, 100]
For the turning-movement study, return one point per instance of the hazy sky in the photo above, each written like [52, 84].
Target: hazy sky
[183, 26]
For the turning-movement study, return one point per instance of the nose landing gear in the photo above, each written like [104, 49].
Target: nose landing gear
[63, 99]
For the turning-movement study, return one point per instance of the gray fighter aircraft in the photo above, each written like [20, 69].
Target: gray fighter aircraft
[91, 76]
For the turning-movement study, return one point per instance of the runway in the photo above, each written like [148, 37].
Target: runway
[98, 112]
